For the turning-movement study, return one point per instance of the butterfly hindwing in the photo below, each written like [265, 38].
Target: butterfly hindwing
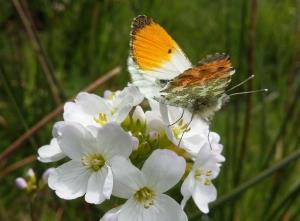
[201, 85]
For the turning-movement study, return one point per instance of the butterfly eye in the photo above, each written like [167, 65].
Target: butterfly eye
[170, 51]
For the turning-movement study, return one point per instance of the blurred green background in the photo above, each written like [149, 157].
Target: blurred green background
[82, 40]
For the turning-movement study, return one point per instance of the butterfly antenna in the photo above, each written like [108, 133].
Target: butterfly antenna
[181, 116]
[244, 81]
[248, 92]
[186, 129]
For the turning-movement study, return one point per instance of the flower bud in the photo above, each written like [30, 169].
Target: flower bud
[138, 114]
[153, 135]
[134, 142]
[21, 183]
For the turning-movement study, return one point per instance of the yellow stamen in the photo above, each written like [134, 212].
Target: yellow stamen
[94, 161]
[102, 119]
[145, 196]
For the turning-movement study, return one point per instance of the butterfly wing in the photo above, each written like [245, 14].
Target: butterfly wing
[153, 55]
[200, 86]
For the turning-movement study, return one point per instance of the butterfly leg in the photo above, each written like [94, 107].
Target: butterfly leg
[181, 116]
[186, 129]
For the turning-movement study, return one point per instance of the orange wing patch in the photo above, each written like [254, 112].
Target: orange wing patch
[215, 67]
[151, 46]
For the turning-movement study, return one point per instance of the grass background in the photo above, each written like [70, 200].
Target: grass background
[84, 39]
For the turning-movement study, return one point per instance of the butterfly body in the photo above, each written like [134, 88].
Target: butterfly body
[162, 71]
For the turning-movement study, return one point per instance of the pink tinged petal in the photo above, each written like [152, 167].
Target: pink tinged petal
[69, 180]
[134, 143]
[203, 195]
[50, 153]
[75, 140]
[113, 140]
[187, 188]
[111, 215]
[127, 178]
[95, 188]
[21, 183]
[47, 173]
[163, 169]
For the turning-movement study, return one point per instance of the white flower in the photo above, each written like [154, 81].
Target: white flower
[92, 110]
[89, 171]
[144, 188]
[50, 152]
[111, 215]
[198, 183]
[180, 125]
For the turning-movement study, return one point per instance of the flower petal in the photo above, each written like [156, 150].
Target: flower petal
[94, 193]
[165, 208]
[187, 188]
[75, 140]
[51, 152]
[163, 169]
[134, 92]
[108, 184]
[132, 211]
[69, 180]
[204, 194]
[122, 109]
[111, 215]
[113, 140]
[127, 178]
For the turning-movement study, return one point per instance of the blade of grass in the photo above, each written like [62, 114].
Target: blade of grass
[37, 46]
[282, 129]
[35, 128]
[282, 206]
[13, 101]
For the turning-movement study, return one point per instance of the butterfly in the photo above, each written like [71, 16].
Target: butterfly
[162, 71]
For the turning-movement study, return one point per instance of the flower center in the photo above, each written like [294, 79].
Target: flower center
[145, 196]
[180, 128]
[94, 161]
[101, 119]
[203, 176]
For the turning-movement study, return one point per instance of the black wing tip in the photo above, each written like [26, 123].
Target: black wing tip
[140, 22]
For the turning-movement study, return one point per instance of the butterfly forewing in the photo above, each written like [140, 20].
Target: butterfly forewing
[154, 52]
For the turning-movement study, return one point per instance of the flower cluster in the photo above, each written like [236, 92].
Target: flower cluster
[112, 147]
